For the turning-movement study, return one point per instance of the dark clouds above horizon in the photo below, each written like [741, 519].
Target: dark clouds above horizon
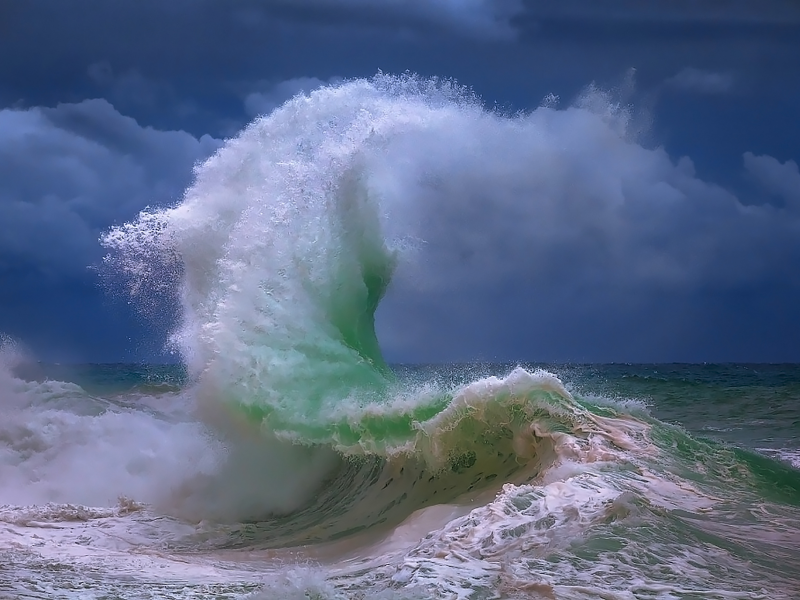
[106, 106]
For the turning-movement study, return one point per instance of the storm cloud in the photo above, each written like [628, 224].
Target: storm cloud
[702, 82]
[671, 240]
[66, 174]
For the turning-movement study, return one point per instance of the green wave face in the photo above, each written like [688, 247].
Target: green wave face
[284, 255]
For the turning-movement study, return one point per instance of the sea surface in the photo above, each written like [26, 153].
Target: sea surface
[285, 459]
[520, 481]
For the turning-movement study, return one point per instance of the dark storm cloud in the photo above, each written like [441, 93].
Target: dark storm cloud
[481, 18]
[182, 64]
[700, 81]
[66, 174]
[200, 48]
[212, 36]
[578, 236]
[130, 88]
[673, 18]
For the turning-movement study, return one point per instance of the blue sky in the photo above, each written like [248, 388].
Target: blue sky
[105, 107]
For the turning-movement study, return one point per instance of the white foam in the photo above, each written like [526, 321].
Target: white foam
[788, 455]
[87, 452]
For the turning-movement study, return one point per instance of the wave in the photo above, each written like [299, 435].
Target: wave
[489, 433]
[280, 254]
[282, 249]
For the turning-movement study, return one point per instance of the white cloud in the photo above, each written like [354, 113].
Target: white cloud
[701, 82]
[560, 225]
[781, 179]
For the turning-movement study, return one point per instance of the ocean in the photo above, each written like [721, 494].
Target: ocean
[486, 481]
[284, 458]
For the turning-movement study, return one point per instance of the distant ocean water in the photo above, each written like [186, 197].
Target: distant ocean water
[285, 458]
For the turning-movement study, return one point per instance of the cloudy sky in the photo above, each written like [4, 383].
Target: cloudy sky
[675, 240]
